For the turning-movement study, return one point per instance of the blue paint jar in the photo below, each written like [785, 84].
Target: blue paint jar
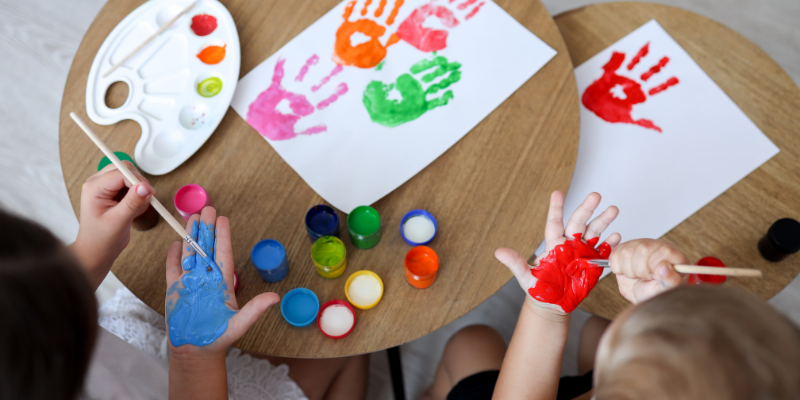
[299, 307]
[322, 220]
[423, 227]
[269, 258]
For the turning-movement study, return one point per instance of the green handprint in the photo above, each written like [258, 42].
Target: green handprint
[414, 101]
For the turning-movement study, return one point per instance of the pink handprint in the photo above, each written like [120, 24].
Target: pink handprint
[603, 96]
[263, 114]
[426, 39]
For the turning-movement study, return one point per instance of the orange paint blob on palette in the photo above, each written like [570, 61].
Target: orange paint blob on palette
[213, 54]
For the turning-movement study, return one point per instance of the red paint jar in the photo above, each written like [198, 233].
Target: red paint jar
[699, 279]
[330, 304]
[422, 266]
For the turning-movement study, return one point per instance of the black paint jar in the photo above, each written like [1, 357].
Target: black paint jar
[782, 239]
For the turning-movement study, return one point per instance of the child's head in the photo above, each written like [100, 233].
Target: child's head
[699, 342]
[48, 316]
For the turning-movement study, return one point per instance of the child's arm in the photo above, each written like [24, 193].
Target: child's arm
[532, 364]
[644, 268]
[198, 372]
[105, 223]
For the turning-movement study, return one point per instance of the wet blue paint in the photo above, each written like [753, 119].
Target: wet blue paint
[322, 220]
[199, 315]
[269, 258]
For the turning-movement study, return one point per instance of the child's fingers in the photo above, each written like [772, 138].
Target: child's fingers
[517, 264]
[554, 229]
[174, 269]
[248, 315]
[640, 262]
[577, 222]
[224, 251]
[192, 228]
[601, 223]
[613, 240]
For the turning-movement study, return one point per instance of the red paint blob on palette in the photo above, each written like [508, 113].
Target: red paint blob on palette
[212, 54]
[565, 277]
[203, 24]
[697, 279]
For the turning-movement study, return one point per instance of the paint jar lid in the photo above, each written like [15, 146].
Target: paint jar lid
[784, 235]
[711, 279]
[342, 325]
[364, 222]
[367, 298]
[268, 256]
[417, 213]
[122, 156]
[299, 307]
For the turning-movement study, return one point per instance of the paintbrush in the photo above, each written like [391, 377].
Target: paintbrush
[697, 269]
[132, 178]
[150, 39]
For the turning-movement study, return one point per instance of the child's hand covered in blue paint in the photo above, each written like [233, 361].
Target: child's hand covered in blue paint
[203, 316]
[105, 222]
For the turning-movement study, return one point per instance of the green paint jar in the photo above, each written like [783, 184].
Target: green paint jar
[364, 224]
[329, 257]
[122, 157]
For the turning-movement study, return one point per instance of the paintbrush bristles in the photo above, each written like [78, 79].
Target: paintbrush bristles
[129, 175]
[150, 39]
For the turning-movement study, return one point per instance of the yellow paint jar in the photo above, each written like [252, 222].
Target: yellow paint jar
[364, 289]
[329, 257]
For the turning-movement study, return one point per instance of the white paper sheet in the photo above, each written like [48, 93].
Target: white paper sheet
[355, 161]
[657, 180]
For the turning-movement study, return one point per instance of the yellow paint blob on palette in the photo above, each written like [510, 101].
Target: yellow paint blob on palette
[179, 85]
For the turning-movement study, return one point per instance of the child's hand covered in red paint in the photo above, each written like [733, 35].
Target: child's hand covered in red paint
[557, 283]
[642, 268]
[105, 221]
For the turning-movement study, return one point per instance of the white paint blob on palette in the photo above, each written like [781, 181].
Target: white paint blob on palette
[179, 85]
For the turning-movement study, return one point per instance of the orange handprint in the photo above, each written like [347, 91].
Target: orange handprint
[372, 52]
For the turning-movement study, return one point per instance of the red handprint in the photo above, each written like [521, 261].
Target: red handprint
[603, 96]
[372, 52]
[412, 31]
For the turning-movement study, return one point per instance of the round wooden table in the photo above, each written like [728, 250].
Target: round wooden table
[491, 189]
[730, 226]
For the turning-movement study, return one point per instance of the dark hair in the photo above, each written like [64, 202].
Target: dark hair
[48, 314]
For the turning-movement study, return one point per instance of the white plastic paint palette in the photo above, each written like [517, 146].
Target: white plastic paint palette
[176, 97]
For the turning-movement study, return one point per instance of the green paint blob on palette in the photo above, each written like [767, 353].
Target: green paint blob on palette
[180, 84]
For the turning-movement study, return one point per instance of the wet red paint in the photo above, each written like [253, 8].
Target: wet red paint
[203, 24]
[642, 52]
[655, 68]
[599, 98]
[662, 87]
[697, 279]
[565, 277]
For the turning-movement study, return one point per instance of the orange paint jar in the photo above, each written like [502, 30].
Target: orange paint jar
[422, 266]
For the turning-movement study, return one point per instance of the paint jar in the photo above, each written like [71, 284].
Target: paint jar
[329, 257]
[422, 266]
[191, 199]
[322, 220]
[781, 240]
[336, 319]
[146, 220]
[364, 224]
[699, 279]
[418, 227]
[299, 307]
[364, 289]
[269, 258]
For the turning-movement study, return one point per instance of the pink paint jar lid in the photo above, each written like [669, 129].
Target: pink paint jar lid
[321, 320]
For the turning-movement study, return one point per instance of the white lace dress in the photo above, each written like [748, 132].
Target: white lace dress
[248, 378]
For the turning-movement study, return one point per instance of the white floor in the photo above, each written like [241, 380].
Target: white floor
[38, 39]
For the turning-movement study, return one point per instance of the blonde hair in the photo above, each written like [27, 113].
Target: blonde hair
[700, 342]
